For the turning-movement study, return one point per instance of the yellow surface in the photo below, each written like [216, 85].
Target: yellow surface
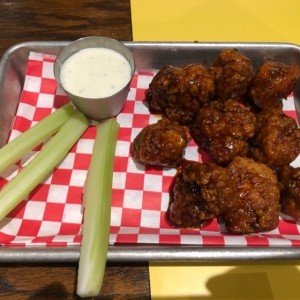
[231, 282]
[224, 21]
[216, 20]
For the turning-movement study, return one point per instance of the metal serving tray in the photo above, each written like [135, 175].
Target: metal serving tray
[147, 55]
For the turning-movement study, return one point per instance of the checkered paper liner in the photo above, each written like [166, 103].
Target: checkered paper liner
[51, 215]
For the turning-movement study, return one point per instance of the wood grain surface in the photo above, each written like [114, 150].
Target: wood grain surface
[58, 20]
[34, 20]
[34, 282]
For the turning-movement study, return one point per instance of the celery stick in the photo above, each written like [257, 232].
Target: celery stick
[15, 150]
[42, 164]
[97, 209]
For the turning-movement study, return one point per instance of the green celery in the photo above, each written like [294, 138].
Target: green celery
[15, 150]
[97, 210]
[43, 163]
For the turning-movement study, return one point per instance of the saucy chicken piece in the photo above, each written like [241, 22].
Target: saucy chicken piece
[160, 144]
[273, 82]
[289, 179]
[223, 128]
[277, 139]
[245, 193]
[255, 204]
[198, 194]
[233, 73]
[179, 92]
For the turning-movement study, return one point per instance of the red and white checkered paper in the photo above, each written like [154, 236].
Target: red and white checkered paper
[52, 213]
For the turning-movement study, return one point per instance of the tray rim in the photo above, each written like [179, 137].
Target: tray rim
[153, 253]
[140, 252]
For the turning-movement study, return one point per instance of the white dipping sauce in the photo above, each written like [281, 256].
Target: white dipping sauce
[95, 73]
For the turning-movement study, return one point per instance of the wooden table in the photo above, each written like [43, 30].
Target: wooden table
[57, 20]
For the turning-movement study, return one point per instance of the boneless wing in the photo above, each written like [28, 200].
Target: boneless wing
[198, 194]
[178, 93]
[289, 178]
[245, 193]
[160, 144]
[255, 206]
[223, 128]
[273, 81]
[233, 73]
[277, 139]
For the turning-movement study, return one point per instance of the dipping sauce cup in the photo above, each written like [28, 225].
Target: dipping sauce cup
[95, 72]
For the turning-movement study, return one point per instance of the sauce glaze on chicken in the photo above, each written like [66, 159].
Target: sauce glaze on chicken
[234, 113]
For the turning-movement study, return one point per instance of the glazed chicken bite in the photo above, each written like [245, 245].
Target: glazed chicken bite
[277, 139]
[245, 193]
[179, 92]
[223, 128]
[198, 194]
[273, 82]
[233, 73]
[255, 205]
[289, 179]
[160, 144]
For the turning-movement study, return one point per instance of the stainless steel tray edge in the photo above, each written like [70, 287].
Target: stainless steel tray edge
[146, 253]
[147, 55]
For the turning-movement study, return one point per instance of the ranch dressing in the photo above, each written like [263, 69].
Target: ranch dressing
[95, 73]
